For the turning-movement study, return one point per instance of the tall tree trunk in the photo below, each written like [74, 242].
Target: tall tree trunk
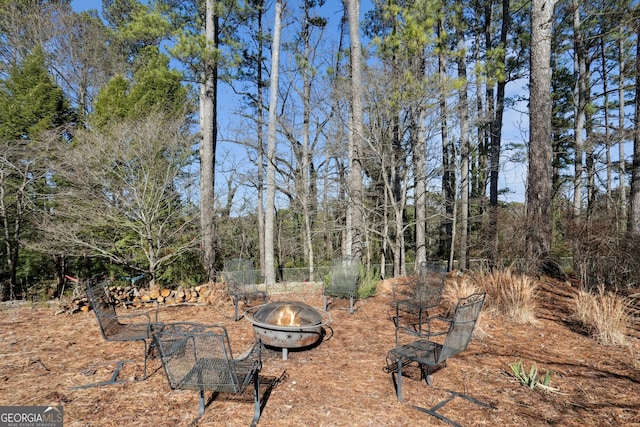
[208, 126]
[305, 167]
[463, 111]
[420, 176]
[260, 142]
[539, 191]
[487, 138]
[580, 90]
[622, 172]
[634, 195]
[607, 130]
[448, 156]
[271, 150]
[355, 170]
[496, 138]
[479, 155]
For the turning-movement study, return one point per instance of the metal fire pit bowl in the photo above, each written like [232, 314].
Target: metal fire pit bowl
[287, 324]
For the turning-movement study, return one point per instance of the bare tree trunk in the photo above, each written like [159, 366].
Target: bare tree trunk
[479, 155]
[10, 237]
[539, 191]
[208, 127]
[579, 96]
[271, 149]
[634, 195]
[607, 130]
[260, 141]
[420, 174]
[580, 105]
[355, 171]
[463, 111]
[448, 158]
[347, 235]
[485, 139]
[496, 139]
[305, 169]
[622, 173]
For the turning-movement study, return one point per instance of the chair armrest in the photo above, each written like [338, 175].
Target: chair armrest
[447, 320]
[131, 319]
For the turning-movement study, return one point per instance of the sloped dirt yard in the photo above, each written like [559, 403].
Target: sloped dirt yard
[341, 382]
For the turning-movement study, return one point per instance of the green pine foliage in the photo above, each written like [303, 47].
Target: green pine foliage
[155, 88]
[30, 101]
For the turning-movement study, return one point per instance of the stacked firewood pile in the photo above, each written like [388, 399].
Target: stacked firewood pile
[133, 297]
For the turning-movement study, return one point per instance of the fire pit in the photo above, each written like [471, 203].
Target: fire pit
[287, 324]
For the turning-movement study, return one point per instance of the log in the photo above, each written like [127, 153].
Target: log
[165, 292]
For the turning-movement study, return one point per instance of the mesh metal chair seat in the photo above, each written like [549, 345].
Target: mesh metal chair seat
[430, 355]
[343, 281]
[199, 357]
[117, 326]
[425, 294]
[240, 279]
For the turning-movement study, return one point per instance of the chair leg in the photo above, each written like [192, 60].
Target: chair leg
[200, 409]
[427, 371]
[256, 399]
[114, 377]
[235, 304]
[326, 303]
[399, 383]
[351, 304]
[146, 349]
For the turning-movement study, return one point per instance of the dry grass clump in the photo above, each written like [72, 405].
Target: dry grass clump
[510, 294]
[458, 286]
[605, 315]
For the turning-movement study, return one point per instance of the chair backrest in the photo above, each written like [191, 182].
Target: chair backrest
[240, 276]
[462, 325]
[199, 357]
[104, 308]
[429, 283]
[344, 274]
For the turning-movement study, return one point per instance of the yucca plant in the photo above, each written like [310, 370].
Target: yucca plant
[531, 378]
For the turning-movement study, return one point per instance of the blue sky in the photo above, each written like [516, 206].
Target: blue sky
[80, 5]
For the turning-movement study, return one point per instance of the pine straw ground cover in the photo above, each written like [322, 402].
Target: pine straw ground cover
[341, 382]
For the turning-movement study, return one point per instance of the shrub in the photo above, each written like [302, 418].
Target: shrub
[458, 286]
[510, 294]
[604, 315]
[368, 282]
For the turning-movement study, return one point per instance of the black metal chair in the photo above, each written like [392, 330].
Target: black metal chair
[425, 294]
[240, 278]
[430, 355]
[343, 281]
[199, 357]
[117, 326]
